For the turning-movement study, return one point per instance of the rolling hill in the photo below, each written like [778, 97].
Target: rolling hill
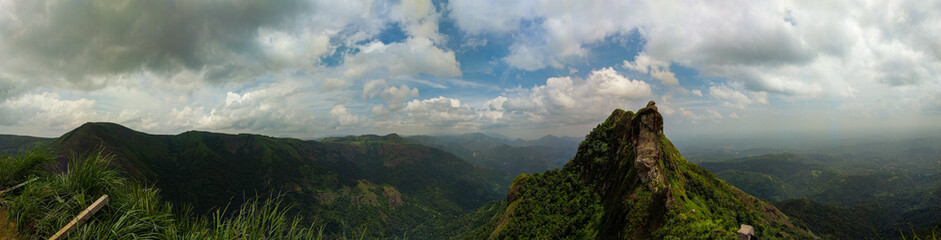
[871, 196]
[384, 184]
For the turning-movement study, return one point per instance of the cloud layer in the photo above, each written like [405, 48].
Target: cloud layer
[310, 68]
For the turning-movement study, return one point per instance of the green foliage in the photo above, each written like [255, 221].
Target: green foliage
[551, 205]
[15, 169]
[134, 211]
[688, 203]
[384, 186]
[831, 222]
[845, 196]
[14, 143]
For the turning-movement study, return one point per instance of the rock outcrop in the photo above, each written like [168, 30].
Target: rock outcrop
[647, 128]
[746, 232]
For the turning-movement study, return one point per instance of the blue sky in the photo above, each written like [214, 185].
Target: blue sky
[317, 68]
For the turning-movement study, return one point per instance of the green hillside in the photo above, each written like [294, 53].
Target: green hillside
[628, 181]
[381, 185]
[869, 197]
[14, 143]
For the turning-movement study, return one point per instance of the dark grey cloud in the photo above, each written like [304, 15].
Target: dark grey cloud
[85, 43]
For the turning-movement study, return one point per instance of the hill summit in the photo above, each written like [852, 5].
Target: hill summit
[628, 181]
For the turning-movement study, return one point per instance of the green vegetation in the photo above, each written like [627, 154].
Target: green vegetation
[831, 222]
[613, 202]
[134, 211]
[550, 205]
[14, 143]
[370, 186]
[844, 195]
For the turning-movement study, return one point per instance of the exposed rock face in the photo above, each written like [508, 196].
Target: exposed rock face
[647, 128]
[746, 232]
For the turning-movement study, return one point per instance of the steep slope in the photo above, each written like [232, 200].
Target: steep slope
[628, 181]
[383, 184]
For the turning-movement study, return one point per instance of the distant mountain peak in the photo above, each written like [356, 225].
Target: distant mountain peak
[98, 130]
[104, 125]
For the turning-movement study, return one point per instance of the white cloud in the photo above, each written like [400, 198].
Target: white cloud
[525, 57]
[611, 83]
[712, 113]
[493, 109]
[271, 108]
[805, 49]
[410, 58]
[342, 116]
[293, 49]
[657, 69]
[394, 96]
[566, 100]
[438, 112]
[558, 30]
[333, 83]
[420, 19]
[45, 113]
[477, 16]
[737, 99]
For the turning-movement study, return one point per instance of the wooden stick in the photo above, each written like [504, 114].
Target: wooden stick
[81, 218]
[18, 186]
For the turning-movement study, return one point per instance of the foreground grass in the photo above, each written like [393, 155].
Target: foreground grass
[134, 211]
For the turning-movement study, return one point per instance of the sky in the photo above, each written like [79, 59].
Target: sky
[314, 68]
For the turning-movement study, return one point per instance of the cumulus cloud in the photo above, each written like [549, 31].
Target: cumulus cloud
[737, 99]
[567, 100]
[342, 116]
[420, 18]
[489, 15]
[45, 112]
[564, 27]
[274, 67]
[526, 57]
[657, 69]
[394, 96]
[83, 44]
[781, 47]
[269, 108]
[439, 112]
[413, 57]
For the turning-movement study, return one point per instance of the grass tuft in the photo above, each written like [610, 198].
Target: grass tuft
[135, 211]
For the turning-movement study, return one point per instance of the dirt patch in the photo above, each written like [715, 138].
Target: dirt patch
[7, 228]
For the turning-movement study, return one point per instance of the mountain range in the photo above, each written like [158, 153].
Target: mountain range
[625, 180]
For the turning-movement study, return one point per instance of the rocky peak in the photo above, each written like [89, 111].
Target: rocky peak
[647, 128]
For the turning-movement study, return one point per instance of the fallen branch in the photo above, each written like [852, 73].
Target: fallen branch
[18, 185]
